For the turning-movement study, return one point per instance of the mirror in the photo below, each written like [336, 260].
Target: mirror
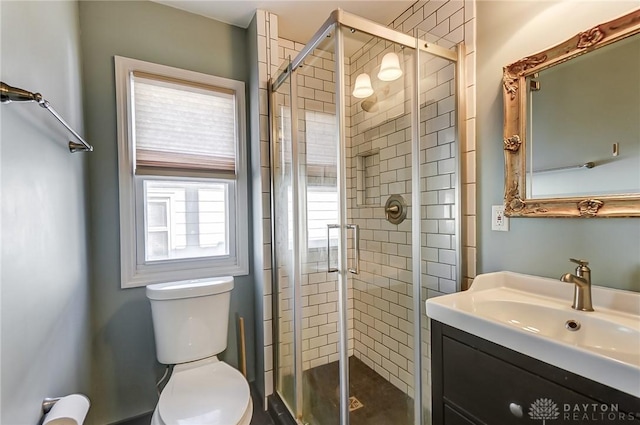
[572, 126]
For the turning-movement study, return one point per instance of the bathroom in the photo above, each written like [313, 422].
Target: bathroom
[67, 325]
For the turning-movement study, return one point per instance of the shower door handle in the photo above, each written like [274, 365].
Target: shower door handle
[329, 227]
[356, 247]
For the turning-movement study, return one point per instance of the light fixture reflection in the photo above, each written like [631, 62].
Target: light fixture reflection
[362, 86]
[390, 67]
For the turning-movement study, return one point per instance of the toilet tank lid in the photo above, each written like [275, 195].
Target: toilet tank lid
[189, 288]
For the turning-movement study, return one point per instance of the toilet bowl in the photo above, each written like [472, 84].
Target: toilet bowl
[204, 392]
[190, 321]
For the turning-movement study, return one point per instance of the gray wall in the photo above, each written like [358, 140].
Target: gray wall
[45, 277]
[124, 364]
[506, 32]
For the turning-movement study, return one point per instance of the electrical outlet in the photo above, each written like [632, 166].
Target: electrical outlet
[499, 221]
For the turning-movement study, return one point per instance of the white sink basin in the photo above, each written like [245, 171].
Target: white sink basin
[619, 340]
[533, 315]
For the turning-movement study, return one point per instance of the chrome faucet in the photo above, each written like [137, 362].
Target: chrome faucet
[582, 282]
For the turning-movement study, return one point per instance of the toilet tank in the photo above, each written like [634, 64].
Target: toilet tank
[190, 318]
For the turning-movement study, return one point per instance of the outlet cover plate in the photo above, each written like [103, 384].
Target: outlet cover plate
[499, 221]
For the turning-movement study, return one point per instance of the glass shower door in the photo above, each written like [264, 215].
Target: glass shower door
[317, 135]
[306, 208]
[379, 197]
[283, 242]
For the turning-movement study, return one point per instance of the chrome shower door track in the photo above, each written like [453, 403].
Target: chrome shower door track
[341, 18]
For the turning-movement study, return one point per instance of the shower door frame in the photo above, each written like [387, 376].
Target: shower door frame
[338, 19]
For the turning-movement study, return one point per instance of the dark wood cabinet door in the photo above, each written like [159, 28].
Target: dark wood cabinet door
[497, 392]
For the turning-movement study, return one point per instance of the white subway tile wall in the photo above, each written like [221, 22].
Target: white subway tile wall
[445, 23]
[267, 43]
[383, 333]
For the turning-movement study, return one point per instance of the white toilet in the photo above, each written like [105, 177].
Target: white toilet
[190, 320]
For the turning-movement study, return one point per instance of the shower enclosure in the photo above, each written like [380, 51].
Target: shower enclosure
[365, 125]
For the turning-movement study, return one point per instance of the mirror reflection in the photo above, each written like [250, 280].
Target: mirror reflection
[584, 124]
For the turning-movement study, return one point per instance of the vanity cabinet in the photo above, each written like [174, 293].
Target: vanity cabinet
[475, 381]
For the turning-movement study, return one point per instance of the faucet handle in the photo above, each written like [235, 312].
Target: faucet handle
[582, 263]
[582, 270]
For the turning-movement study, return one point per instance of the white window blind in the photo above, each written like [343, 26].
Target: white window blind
[317, 136]
[321, 137]
[183, 125]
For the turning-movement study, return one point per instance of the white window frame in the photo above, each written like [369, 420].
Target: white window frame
[168, 228]
[134, 272]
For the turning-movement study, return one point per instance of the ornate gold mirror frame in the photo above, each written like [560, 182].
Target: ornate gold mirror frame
[514, 82]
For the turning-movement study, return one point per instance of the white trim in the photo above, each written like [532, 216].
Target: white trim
[134, 274]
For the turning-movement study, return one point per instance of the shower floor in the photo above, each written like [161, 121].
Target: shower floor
[377, 401]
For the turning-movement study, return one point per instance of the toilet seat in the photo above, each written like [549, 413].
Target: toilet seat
[204, 392]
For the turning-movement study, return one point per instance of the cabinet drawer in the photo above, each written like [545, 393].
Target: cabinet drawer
[489, 389]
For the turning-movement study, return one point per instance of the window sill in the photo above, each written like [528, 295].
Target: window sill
[150, 276]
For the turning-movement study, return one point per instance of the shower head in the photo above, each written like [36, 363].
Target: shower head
[14, 94]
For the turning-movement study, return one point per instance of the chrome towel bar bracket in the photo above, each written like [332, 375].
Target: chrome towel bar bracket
[10, 94]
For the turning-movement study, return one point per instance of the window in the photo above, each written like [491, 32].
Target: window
[182, 174]
[318, 179]
[321, 164]
[322, 210]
